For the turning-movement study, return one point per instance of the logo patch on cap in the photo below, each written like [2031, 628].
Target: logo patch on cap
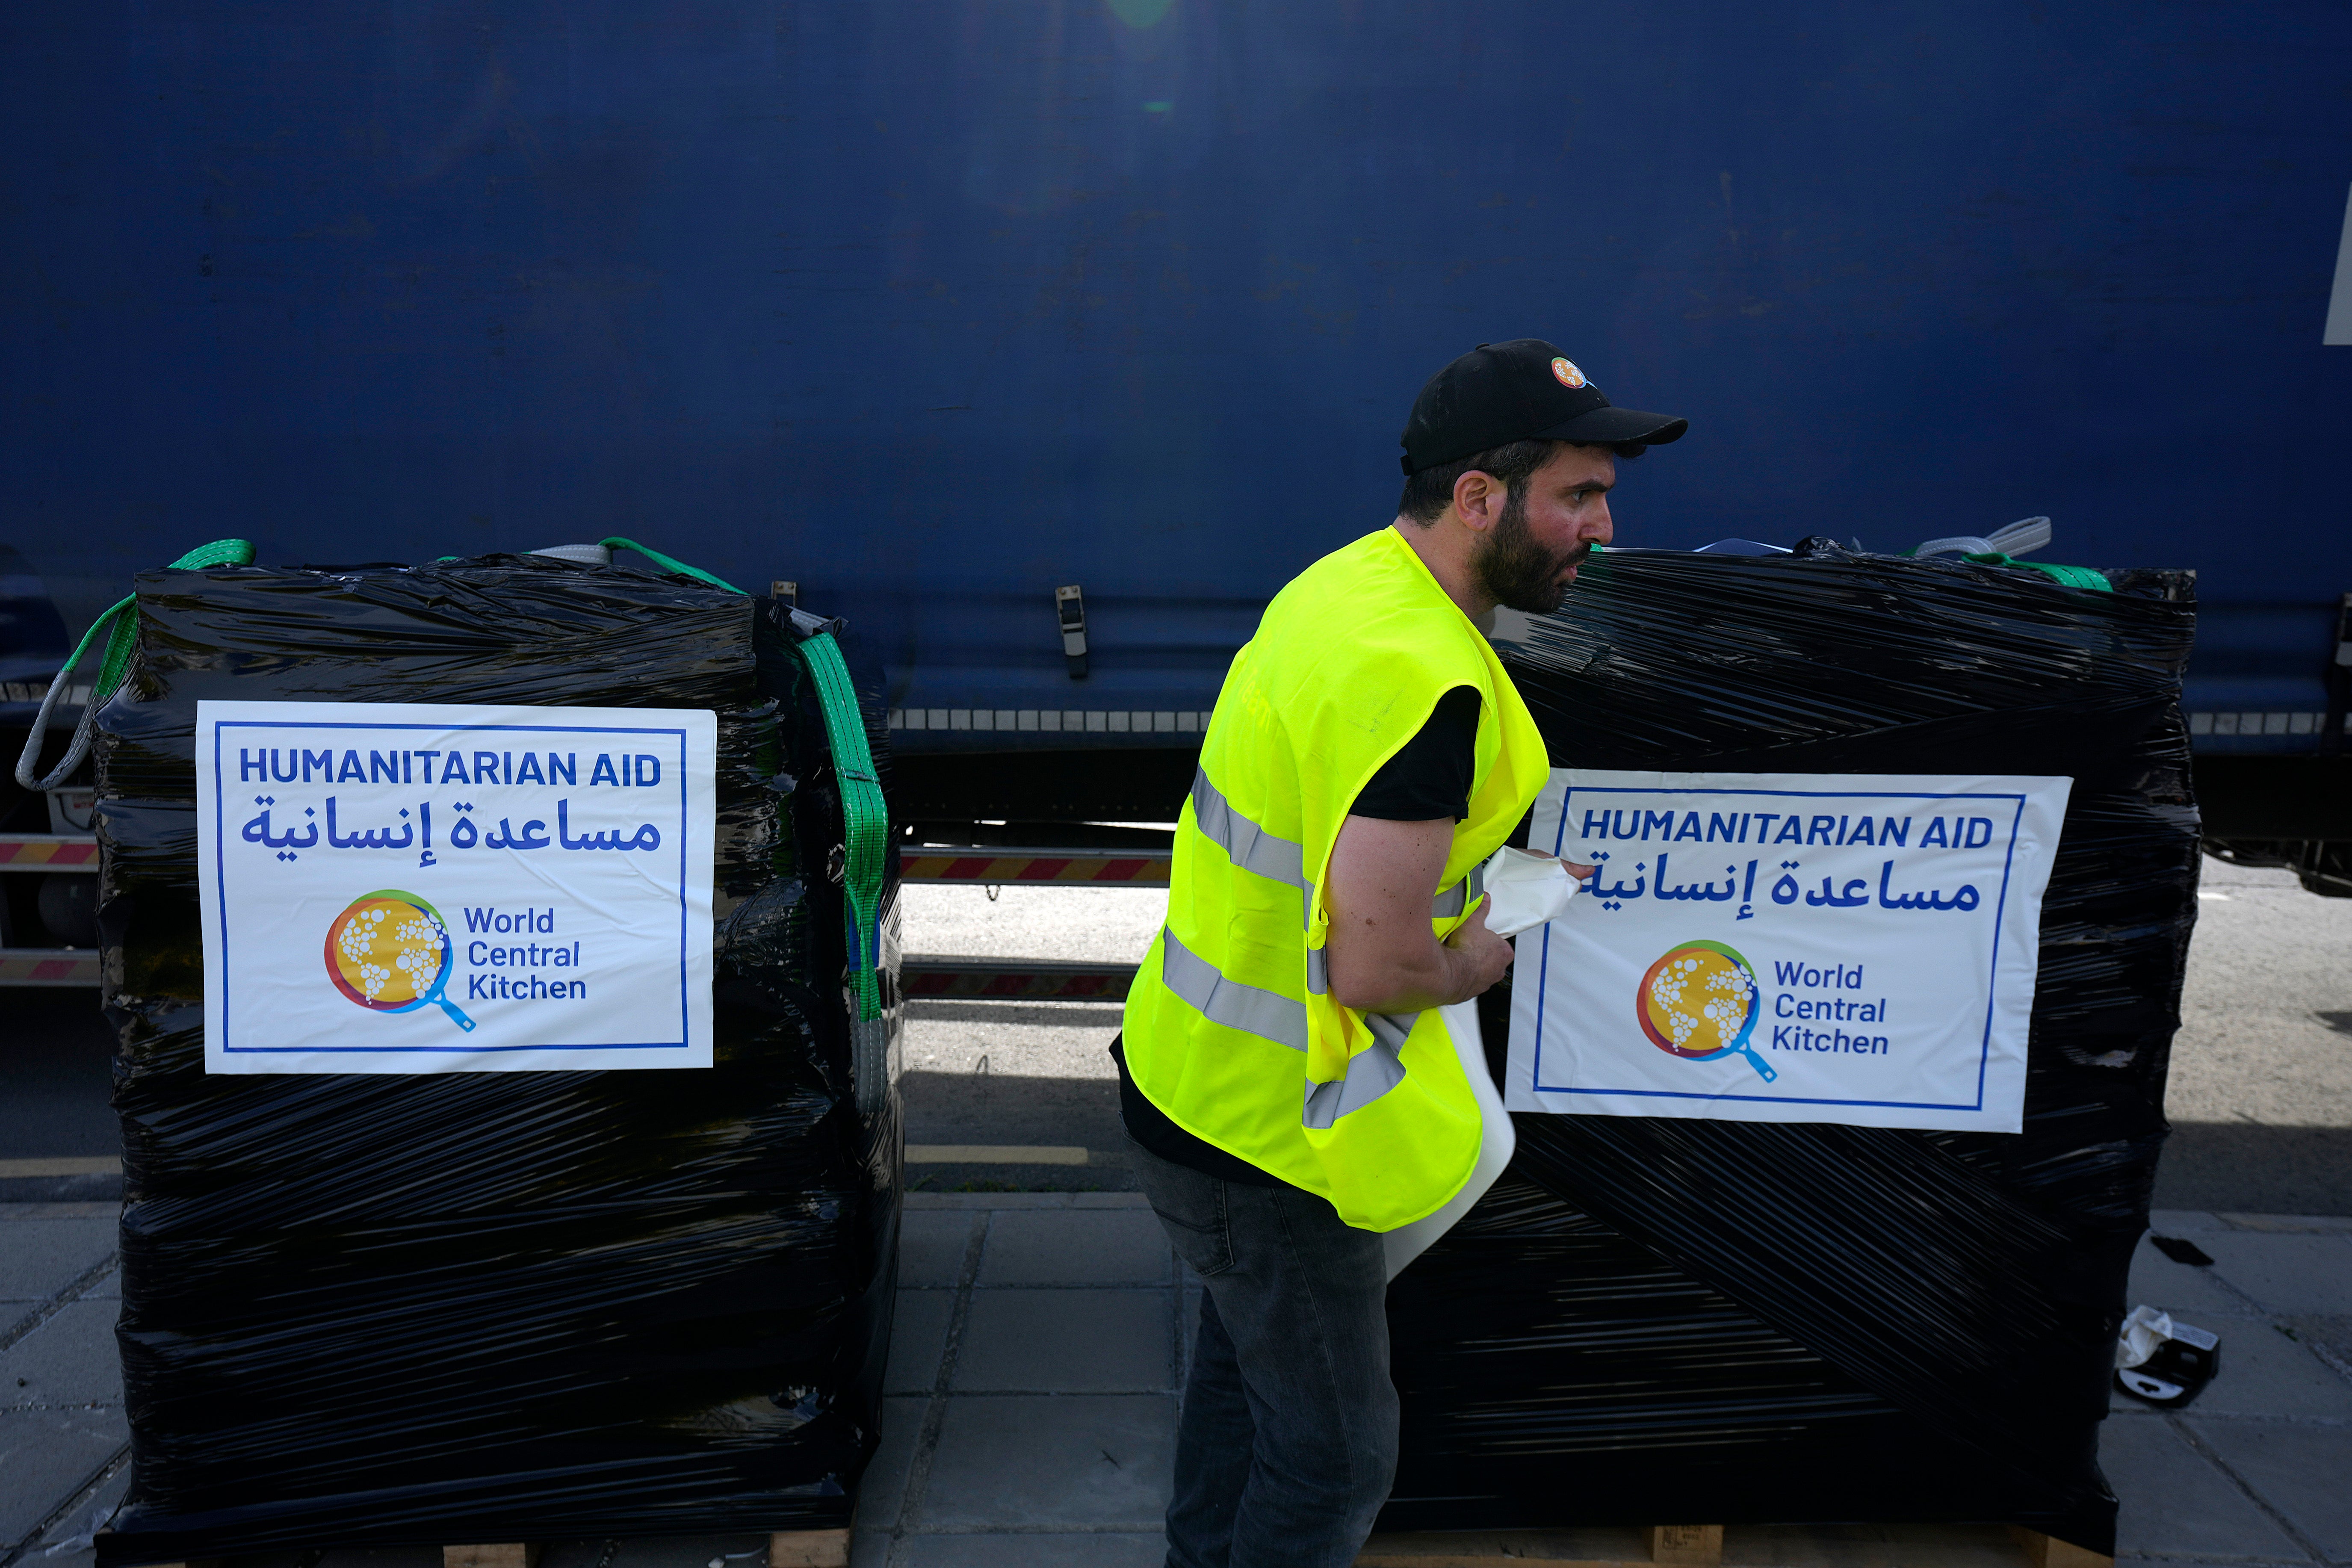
[1568, 374]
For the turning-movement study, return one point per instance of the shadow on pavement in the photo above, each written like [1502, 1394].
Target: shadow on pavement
[2246, 1168]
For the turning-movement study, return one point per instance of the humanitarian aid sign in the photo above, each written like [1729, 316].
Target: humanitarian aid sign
[1796, 947]
[410, 888]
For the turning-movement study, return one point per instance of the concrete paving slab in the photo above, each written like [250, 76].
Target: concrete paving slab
[70, 1359]
[1053, 1462]
[39, 1257]
[107, 1290]
[48, 1455]
[2293, 1224]
[2184, 1221]
[869, 1549]
[67, 1544]
[2298, 1470]
[1065, 1342]
[1102, 1551]
[931, 1246]
[2184, 1287]
[2286, 1273]
[919, 1334]
[2176, 1503]
[1077, 1246]
[2264, 1372]
[882, 1493]
[2329, 1338]
[91, 1210]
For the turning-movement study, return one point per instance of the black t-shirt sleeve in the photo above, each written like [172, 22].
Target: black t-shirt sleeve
[1431, 774]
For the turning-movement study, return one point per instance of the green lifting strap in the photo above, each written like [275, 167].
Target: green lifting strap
[122, 641]
[2087, 577]
[668, 563]
[865, 818]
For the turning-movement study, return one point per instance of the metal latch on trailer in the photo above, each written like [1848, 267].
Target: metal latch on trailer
[2339, 684]
[1070, 604]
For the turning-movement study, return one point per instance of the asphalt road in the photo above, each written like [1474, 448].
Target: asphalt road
[2261, 1093]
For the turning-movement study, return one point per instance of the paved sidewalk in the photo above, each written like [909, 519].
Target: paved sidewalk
[64, 1442]
[2255, 1470]
[1031, 1401]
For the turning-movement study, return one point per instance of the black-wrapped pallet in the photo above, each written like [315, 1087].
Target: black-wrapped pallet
[1652, 1320]
[491, 1307]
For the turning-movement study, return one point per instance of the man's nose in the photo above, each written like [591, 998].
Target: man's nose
[1601, 528]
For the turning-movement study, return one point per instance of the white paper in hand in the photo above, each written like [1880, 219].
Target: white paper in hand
[1524, 890]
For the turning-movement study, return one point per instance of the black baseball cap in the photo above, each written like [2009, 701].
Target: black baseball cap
[1525, 390]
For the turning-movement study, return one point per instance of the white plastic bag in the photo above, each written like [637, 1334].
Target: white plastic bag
[1525, 889]
[1496, 1140]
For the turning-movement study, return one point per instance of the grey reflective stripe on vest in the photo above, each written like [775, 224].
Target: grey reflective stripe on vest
[1318, 970]
[1246, 844]
[1229, 1002]
[1460, 896]
[1372, 1072]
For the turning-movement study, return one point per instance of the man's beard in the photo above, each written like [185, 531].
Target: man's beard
[1517, 571]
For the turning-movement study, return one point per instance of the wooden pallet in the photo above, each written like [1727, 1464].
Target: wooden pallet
[1673, 1545]
[1705, 1546]
[786, 1549]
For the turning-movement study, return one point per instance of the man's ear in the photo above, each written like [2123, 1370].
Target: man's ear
[1478, 500]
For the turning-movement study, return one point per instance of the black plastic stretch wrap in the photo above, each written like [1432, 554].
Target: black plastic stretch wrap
[480, 1307]
[1654, 1320]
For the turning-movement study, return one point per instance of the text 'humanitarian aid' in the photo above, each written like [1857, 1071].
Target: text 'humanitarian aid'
[409, 888]
[1797, 947]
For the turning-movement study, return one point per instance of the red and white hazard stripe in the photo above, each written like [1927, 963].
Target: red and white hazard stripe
[47, 967]
[1013, 980]
[1006, 867]
[46, 852]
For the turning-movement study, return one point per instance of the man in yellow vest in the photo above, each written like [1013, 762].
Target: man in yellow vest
[1286, 1078]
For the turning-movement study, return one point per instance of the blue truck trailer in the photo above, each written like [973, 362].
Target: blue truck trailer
[1044, 341]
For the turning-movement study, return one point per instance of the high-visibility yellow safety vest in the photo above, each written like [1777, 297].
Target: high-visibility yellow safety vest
[1230, 1027]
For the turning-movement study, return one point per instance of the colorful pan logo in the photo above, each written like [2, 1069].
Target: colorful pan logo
[1699, 1002]
[390, 952]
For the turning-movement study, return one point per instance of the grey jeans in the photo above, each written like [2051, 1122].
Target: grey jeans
[1288, 1441]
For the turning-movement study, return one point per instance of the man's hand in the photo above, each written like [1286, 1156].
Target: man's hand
[1484, 955]
[1576, 868]
[1382, 956]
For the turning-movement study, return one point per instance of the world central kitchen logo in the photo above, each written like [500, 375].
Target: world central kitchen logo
[1699, 1002]
[390, 952]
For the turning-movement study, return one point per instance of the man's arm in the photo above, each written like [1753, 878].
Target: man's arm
[1382, 954]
